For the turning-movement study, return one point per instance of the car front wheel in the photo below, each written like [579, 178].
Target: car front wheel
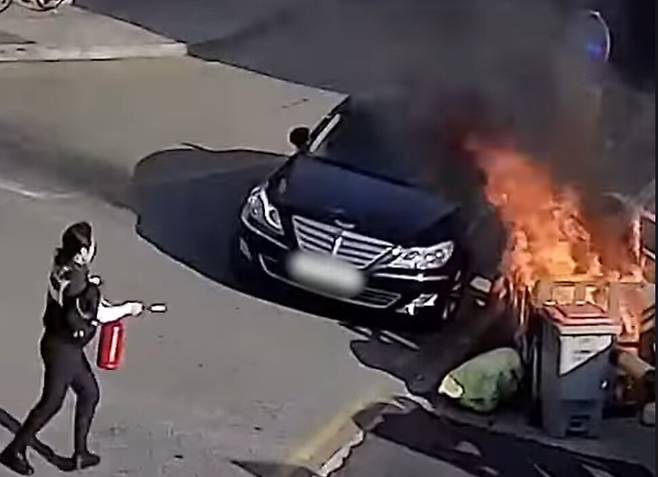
[455, 298]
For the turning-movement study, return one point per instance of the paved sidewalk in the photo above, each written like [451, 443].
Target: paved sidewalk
[72, 33]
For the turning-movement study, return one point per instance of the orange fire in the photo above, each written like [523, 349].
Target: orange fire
[549, 237]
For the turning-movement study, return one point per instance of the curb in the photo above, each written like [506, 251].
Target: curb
[37, 52]
[341, 433]
[367, 421]
[344, 434]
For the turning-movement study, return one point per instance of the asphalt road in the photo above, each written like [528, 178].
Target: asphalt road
[223, 376]
[228, 374]
[193, 21]
[233, 376]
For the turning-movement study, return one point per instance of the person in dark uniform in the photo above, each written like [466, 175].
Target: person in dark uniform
[74, 309]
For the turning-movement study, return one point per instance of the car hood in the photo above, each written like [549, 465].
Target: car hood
[377, 207]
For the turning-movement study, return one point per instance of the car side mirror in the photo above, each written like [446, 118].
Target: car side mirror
[300, 137]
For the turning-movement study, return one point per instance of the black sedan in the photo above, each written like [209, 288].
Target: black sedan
[345, 219]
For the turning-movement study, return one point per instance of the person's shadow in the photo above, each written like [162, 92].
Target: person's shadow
[62, 463]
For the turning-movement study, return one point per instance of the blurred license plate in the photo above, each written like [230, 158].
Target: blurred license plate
[326, 274]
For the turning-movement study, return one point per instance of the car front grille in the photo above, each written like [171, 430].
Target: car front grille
[376, 298]
[356, 249]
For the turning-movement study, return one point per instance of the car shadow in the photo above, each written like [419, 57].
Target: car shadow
[421, 363]
[10, 423]
[187, 203]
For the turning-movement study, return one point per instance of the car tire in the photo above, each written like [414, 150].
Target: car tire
[434, 320]
[455, 299]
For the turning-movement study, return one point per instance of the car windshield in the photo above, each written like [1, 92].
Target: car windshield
[368, 141]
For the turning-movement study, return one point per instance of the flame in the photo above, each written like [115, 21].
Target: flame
[549, 237]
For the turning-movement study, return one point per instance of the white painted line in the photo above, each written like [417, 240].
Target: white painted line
[37, 52]
[19, 189]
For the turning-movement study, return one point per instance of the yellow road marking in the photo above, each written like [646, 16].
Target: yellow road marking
[329, 438]
[325, 441]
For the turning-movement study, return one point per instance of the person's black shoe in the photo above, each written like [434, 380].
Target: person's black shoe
[64, 464]
[16, 461]
[85, 460]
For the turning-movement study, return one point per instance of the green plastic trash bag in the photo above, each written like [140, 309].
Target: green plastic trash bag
[485, 381]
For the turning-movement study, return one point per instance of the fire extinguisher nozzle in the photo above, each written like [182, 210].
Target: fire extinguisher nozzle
[158, 308]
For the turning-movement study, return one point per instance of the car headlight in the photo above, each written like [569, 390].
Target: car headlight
[424, 258]
[259, 208]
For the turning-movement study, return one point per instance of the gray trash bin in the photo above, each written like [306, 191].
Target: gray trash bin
[573, 372]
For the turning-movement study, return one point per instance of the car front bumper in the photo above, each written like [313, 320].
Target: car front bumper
[410, 293]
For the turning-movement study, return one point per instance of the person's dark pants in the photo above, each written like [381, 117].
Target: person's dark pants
[65, 365]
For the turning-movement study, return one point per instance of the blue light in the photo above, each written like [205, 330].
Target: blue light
[595, 52]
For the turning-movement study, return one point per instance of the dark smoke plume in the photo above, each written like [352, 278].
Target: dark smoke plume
[523, 74]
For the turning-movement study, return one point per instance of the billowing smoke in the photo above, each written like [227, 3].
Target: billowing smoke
[509, 58]
[520, 70]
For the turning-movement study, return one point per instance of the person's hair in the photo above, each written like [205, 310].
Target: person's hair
[75, 238]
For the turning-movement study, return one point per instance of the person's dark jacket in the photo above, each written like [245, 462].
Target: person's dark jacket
[71, 305]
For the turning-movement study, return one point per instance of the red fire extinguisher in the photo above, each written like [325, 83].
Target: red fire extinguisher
[111, 345]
